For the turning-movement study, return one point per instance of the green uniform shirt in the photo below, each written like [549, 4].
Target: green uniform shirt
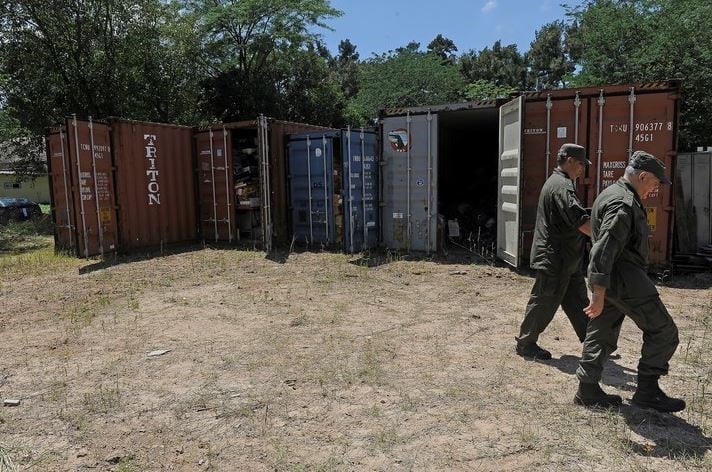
[620, 237]
[558, 244]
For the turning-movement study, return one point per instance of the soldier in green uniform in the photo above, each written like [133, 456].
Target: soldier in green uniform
[562, 224]
[617, 274]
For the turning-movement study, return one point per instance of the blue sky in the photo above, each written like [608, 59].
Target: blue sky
[378, 26]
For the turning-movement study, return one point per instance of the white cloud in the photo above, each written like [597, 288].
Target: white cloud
[489, 6]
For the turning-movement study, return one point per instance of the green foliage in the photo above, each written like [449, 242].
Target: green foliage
[443, 47]
[405, 78]
[255, 53]
[486, 90]
[549, 57]
[96, 57]
[648, 40]
[501, 65]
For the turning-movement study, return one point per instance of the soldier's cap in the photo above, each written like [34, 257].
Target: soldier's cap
[575, 151]
[643, 161]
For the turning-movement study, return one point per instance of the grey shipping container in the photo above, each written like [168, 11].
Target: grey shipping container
[333, 181]
[450, 172]
[693, 219]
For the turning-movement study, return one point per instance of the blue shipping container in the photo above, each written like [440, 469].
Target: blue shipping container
[333, 179]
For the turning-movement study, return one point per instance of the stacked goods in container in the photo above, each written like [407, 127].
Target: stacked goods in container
[242, 183]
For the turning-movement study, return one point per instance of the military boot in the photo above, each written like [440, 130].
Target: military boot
[591, 394]
[649, 395]
[532, 351]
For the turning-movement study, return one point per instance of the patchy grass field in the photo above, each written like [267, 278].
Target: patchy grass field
[319, 362]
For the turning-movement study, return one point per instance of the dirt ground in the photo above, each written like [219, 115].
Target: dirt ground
[318, 361]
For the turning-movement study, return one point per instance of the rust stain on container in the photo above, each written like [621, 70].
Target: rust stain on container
[155, 192]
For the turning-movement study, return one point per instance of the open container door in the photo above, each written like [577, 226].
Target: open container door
[509, 181]
[215, 176]
[311, 186]
[409, 171]
[265, 190]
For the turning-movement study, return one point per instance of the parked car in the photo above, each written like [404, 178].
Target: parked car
[18, 209]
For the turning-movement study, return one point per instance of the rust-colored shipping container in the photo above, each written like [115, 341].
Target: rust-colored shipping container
[79, 156]
[450, 177]
[155, 189]
[610, 122]
[60, 189]
[242, 180]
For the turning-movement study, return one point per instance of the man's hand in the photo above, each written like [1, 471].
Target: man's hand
[598, 296]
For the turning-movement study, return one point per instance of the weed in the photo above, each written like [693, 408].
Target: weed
[385, 439]
[6, 463]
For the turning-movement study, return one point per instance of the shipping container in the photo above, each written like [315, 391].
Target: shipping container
[451, 171]
[135, 190]
[60, 189]
[693, 222]
[333, 183]
[242, 180]
[79, 157]
[155, 188]
[439, 175]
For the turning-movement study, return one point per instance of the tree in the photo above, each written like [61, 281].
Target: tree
[345, 66]
[548, 56]
[486, 90]
[96, 57]
[403, 78]
[246, 50]
[650, 40]
[501, 65]
[443, 47]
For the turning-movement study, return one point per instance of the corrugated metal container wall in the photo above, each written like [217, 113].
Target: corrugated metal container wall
[611, 122]
[410, 181]
[89, 147]
[251, 147]
[60, 185]
[694, 175]
[279, 132]
[333, 181]
[155, 185]
[314, 212]
[360, 179]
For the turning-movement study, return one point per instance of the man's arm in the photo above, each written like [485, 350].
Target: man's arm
[613, 236]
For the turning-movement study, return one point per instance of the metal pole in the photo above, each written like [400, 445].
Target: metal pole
[96, 188]
[215, 201]
[67, 190]
[601, 102]
[268, 190]
[81, 197]
[351, 197]
[549, 106]
[429, 183]
[577, 105]
[326, 189]
[309, 192]
[362, 135]
[228, 194]
[408, 120]
[631, 100]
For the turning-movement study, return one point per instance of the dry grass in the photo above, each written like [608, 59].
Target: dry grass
[319, 362]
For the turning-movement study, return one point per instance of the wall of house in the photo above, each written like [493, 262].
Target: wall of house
[36, 190]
